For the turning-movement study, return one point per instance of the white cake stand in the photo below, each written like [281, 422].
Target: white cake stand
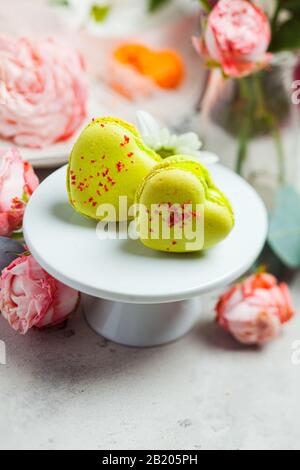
[136, 296]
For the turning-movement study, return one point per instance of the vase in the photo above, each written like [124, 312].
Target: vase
[252, 124]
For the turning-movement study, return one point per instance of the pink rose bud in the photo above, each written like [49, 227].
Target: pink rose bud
[254, 310]
[43, 91]
[236, 38]
[17, 183]
[31, 297]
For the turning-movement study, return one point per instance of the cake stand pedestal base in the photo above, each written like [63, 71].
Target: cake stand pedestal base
[142, 325]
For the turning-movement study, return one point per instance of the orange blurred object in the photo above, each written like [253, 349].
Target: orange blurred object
[164, 67]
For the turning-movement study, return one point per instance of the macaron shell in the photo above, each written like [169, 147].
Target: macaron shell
[163, 221]
[108, 160]
[198, 169]
[217, 211]
[218, 223]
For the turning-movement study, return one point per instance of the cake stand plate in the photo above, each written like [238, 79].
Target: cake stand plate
[133, 295]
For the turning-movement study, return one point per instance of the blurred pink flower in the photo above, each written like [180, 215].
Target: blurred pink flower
[43, 91]
[31, 297]
[236, 38]
[17, 183]
[254, 310]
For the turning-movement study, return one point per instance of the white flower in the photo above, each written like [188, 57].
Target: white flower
[167, 144]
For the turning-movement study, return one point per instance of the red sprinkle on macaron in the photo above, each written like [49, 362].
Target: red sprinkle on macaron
[125, 142]
[120, 166]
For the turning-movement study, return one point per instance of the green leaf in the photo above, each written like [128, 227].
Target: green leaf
[205, 5]
[17, 236]
[284, 232]
[156, 4]
[25, 197]
[99, 12]
[287, 36]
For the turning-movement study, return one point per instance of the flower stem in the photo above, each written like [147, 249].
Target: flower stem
[272, 123]
[242, 151]
[206, 5]
[245, 129]
[275, 16]
[280, 153]
[17, 236]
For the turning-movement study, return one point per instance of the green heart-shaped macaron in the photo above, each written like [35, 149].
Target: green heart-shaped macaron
[108, 160]
[181, 209]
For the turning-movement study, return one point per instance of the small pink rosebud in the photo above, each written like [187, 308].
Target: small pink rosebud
[30, 297]
[236, 38]
[254, 310]
[17, 183]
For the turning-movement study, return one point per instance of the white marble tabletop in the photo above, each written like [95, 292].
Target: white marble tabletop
[70, 389]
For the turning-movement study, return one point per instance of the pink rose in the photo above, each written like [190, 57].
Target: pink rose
[236, 38]
[254, 310]
[43, 93]
[17, 183]
[31, 297]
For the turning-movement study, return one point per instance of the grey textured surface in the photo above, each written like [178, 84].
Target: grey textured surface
[70, 389]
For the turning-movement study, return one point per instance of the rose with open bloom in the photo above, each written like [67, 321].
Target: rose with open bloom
[17, 183]
[43, 91]
[31, 297]
[236, 38]
[254, 310]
